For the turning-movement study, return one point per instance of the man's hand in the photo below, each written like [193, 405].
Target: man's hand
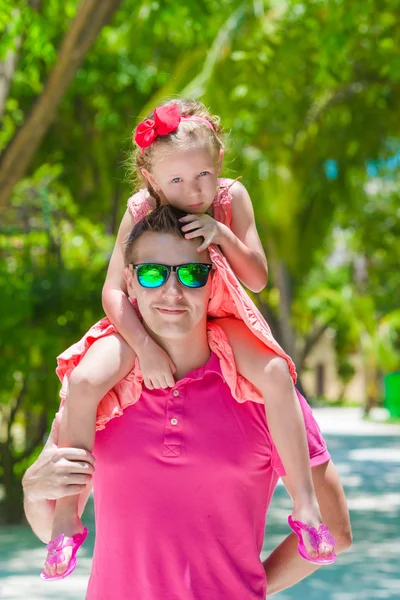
[202, 226]
[58, 472]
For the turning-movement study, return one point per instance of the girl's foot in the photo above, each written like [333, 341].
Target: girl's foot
[68, 527]
[318, 544]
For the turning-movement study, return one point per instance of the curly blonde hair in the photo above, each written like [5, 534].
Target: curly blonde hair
[190, 134]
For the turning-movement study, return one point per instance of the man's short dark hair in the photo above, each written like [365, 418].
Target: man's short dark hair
[164, 219]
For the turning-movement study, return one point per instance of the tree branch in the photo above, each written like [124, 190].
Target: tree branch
[15, 408]
[196, 88]
[269, 317]
[7, 69]
[36, 441]
[341, 95]
[310, 341]
[331, 98]
[91, 17]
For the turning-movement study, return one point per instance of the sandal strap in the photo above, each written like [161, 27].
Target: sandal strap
[55, 549]
[317, 537]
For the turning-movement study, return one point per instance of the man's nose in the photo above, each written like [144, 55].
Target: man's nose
[172, 287]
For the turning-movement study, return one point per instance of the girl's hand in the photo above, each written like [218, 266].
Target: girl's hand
[202, 226]
[157, 367]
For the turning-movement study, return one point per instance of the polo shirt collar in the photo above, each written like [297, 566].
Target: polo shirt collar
[211, 366]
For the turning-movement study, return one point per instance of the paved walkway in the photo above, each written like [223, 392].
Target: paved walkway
[368, 459]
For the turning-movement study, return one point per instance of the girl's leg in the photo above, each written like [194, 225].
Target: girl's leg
[270, 374]
[108, 361]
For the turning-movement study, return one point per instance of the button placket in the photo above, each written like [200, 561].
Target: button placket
[174, 422]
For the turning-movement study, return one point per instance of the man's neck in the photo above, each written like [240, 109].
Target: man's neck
[186, 353]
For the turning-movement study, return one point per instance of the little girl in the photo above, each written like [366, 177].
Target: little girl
[178, 160]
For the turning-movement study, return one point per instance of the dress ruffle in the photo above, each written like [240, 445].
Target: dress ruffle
[228, 299]
[127, 391]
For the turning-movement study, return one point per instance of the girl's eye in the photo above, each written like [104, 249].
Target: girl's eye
[204, 173]
[176, 180]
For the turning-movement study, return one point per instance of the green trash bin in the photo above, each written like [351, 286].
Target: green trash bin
[391, 400]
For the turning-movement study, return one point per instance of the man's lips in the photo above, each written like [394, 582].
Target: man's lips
[171, 310]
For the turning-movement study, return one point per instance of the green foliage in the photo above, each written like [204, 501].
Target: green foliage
[296, 85]
[51, 269]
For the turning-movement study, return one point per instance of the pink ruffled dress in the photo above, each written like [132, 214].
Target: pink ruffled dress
[228, 299]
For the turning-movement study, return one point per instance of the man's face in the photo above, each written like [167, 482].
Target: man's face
[171, 311]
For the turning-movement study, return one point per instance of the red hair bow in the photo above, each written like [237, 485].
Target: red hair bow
[166, 120]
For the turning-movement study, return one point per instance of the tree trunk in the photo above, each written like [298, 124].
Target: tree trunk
[311, 339]
[91, 17]
[7, 68]
[299, 386]
[13, 504]
[283, 283]
[371, 386]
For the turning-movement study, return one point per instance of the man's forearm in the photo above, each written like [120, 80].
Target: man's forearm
[284, 567]
[57, 472]
[39, 514]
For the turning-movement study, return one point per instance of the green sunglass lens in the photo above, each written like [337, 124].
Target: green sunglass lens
[152, 276]
[193, 276]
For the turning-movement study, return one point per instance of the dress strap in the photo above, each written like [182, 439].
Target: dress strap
[226, 184]
[222, 203]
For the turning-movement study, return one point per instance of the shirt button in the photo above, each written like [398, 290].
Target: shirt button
[175, 393]
[174, 421]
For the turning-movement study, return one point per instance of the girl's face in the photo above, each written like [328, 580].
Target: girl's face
[186, 179]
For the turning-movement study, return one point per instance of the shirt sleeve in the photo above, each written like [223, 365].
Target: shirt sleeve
[318, 450]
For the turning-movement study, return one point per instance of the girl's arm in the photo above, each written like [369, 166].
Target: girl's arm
[114, 296]
[242, 245]
[156, 366]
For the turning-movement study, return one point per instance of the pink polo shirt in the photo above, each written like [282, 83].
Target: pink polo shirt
[182, 486]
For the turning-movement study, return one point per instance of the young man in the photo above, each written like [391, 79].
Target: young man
[184, 479]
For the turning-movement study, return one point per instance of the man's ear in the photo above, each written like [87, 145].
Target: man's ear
[149, 177]
[128, 276]
[211, 283]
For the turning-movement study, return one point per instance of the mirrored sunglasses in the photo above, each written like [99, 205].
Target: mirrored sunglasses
[154, 275]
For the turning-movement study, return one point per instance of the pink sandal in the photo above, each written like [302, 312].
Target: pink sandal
[56, 555]
[317, 538]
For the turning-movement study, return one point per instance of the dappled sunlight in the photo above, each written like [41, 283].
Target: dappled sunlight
[377, 454]
[369, 466]
[382, 503]
[308, 94]
[22, 557]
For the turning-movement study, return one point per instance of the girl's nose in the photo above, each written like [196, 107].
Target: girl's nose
[194, 189]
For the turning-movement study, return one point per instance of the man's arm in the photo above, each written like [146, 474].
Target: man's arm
[57, 472]
[284, 567]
